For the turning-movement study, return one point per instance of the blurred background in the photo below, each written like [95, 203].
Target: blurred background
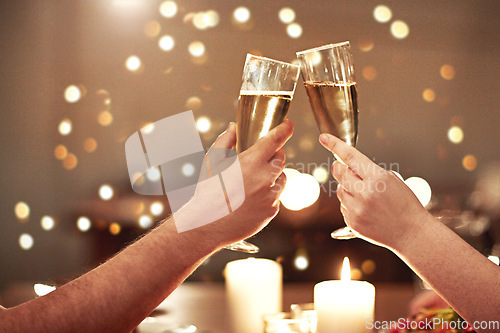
[79, 77]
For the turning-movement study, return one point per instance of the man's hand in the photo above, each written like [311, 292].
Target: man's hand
[375, 203]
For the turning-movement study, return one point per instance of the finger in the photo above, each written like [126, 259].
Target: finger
[343, 195]
[227, 139]
[358, 162]
[277, 162]
[268, 145]
[279, 184]
[345, 177]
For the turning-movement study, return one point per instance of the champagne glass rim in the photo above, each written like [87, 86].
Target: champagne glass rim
[324, 47]
[272, 60]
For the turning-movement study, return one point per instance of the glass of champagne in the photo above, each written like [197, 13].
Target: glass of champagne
[265, 95]
[328, 74]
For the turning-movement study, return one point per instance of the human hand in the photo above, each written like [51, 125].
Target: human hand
[255, 200]
[375, 203]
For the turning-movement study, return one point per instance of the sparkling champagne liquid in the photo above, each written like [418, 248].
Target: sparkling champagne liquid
[335, 108]
[258, 114]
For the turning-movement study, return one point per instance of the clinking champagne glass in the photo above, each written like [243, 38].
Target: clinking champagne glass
[265, 95]
[328, 74]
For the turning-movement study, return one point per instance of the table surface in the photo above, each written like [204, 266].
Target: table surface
[204, 304]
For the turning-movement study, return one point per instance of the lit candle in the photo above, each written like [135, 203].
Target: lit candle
[253, 288]
[344, 306]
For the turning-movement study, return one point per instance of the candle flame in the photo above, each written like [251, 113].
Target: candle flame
[346, 270]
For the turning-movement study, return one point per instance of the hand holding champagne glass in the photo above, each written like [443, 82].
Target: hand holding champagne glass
[265, 95]
[328, 73]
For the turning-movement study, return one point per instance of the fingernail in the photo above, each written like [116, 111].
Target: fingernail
[323, 138]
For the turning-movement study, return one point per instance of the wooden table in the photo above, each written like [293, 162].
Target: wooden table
[204, 304]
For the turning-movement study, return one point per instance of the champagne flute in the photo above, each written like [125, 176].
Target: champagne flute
[328, 74]
[265, 95]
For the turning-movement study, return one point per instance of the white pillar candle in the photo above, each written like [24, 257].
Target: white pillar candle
[253, 288]
[344, 306]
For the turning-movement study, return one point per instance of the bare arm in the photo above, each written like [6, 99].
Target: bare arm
[119, 294]
[382, 209]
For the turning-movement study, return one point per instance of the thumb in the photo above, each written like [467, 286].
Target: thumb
[227, 139]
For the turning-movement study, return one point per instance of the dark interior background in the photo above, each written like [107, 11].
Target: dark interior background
[49, 45]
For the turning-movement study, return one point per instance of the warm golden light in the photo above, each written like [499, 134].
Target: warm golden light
[447, 72]
[22, 210]
[106, 192]
[168, 9]
[455, 134]
[369, 73]
[152, 28]
[301, 190]
[47, 223]
[105, 118]
[421, 189]
[145, 221]
[382, 14]
[133, 63]
[241, 14]
[196, 49]
[42, 289]
[400, 29]
[60, 152]
[294, 30]
[368, 266]
[90, 145]
[83, 224]
[70, 162]
[72, 94]
[301, 260]
[306, 143]
[286, 15]
[321, 174]
[166, 43]
[156, 208]
[148, 129]
[193, 103]
[366, 45]
[429, 95]
[26, 241]
[346, 270]
[203, 124]
[115, 228]
[469, 162]
[153, 174]
[65, 127]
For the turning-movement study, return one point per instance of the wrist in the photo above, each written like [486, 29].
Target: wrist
[421, 225]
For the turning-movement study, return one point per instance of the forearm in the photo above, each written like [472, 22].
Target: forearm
[467, 280]
[117, 295]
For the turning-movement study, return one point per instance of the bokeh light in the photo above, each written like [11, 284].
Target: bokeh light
[400, 29]
[70, 162]
[368, 266]
[366, 45]
[83, 223]
[65, 127]
[156, 208]
[196, 49]
[356, 274]
[301, 190]
[72, 94]
[420, 188]
[47, 223]
[382, 14]
[188, 170]
[447, 72]
[60, 152]
[106, 192]
[22, 210]
[469, 162]
[306, 143]
[286, 15]
[455, 134]
[153, 174]
[294, 30]
[152, 28]
[133, 63]
[26, 241]
[301, 262]
[321, 174]
[41, 289]
[369, 73]
[148, 128]
[90, 145]
[145, 221]
[193, 103]
[168, 9]
[105, 118]
[114, 228]
[428, 95]
[166, 43]
[203, 124]
[241, 14]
